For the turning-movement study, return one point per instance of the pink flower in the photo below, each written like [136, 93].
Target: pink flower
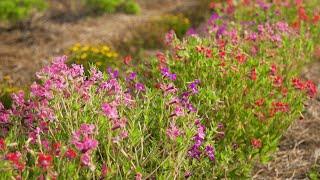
[273, 69]
[87, 128]
[110, 111]
[173, 132]
[85, 159]
[81, 139]
[256, 143]
[277, 81]
[169, 37]
[85, 144]
[76, 70]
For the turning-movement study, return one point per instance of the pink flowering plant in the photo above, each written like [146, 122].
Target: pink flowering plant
[211, 106]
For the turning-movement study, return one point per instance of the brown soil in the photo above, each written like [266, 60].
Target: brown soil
[299, 149]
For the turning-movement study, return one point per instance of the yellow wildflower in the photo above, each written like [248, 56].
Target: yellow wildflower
[83, 56]
[85, 48]
[105, 48]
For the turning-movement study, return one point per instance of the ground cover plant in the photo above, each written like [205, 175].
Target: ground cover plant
[17, 10]
[6, 89]
[207, 108]
[102, 56]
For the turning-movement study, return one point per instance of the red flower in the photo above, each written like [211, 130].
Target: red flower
[241, 58]
[296, 24]
[70, 154]
[161, 58]
[208, 53]
[19, 166]
[13, 157]
[284, 91]
[256, 143]
[200, 49]
[222, 54]
[302, 14]
[298, 84]
[277, 81]
[44, 161]
[212, 5]
[253, 74]
[104, 170]
[2, 144]
[56, 148]
[280, 107]
[316, 18]
[311, 88]
[127, 59]
[273, 69]
[259, 102]
[298, 2]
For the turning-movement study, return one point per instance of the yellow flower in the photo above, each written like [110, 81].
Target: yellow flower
[105, 48]
[7, 78]
[75, 48]
[95, 50]
[109, 54]
[114, 54]
[83, 56]
[85, 48]
[99, 63]
[186, 20]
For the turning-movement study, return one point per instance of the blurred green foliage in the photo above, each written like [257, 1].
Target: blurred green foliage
[17, 10]
[111, 6]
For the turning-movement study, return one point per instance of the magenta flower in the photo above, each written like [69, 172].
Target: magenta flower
[194, 86]
[167, 74]
[210, 152]
[131, 76]
[191, 32]
[87, 128]
[76, 70]
[173, 131]
[110, 111]
[113, 73]
[81, 139]
[85, 159]
[140, 87]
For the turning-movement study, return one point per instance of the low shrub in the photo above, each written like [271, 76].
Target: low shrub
[101, 56]
[150, 34]
[111, 6]
[17, 10]
[7, 87]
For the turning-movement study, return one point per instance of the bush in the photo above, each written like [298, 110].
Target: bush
[150, 34]
[111, 6]
[130, 7]
[6, 89]
[101, 56]
[16, 10]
